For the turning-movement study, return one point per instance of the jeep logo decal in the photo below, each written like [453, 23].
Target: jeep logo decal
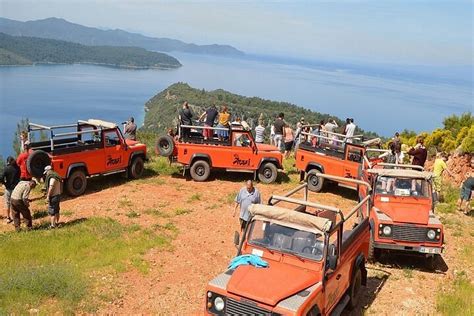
[239, 162]
[113, 161]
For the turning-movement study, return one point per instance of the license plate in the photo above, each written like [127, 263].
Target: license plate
[430, 250]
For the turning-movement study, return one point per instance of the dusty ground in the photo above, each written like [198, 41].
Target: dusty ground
[203, 247]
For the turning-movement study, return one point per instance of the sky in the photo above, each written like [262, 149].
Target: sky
[431, 32]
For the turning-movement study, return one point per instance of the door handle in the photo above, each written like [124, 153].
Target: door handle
[338, 276]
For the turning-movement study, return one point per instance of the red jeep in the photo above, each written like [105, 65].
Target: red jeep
[402, 216]
[316, 258]
[333, 154]
[237, 153]
[84, 149]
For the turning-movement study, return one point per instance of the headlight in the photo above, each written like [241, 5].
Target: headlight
[431, 234]
[219, 304]
[387, 230]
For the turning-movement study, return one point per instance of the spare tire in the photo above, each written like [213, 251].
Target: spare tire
[36, 162]
[164, 146]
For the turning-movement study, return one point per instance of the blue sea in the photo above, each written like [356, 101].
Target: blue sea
[380, 98]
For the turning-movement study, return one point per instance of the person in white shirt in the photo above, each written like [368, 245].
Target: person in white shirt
[259, 133]
[330, 126]
[350, 130]
[272, 135]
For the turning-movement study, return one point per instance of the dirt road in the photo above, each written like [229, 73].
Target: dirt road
[203, 247]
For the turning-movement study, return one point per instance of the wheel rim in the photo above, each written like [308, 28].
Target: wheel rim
[200, 170]
[267, 173]
[164, 145]
[77, 184]
[314, 180]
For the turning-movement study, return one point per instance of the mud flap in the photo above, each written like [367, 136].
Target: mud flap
[302, 175]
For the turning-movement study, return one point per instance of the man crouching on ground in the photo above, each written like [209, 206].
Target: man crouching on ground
[20, 202]
[53, 194]
[247, 195]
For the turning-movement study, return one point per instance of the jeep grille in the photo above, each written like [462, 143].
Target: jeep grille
[245, 308]
[408, 233]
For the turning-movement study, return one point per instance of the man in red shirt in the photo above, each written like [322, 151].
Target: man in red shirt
[21, 162]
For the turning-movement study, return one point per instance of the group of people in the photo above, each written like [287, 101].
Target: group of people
[18, 187]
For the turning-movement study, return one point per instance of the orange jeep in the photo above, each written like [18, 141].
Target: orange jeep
[237, 153]
[84, 149]
[316, 258]
[333, 154]
[402, 216]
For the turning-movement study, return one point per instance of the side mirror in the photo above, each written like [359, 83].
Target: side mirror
[236, 239]
[332, 262]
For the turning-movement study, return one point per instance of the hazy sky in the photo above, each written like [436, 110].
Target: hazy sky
[397, 31]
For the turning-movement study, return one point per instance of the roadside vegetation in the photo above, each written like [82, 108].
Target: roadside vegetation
[64, 270]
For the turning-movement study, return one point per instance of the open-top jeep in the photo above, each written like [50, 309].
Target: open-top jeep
[237, 153]
[316, 258]
[84, 149]
[333, 154]
[402, 216]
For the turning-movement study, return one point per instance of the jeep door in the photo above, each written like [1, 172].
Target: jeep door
[333, 289]
[114, 149]
[243, 152]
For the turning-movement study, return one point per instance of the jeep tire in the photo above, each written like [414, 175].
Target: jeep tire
[164, 146]
[374, 253]
[200, 170]
[315, 183]
[355, 289]
[76, 183]
[267, 173]
[135, 170]
[36, 162]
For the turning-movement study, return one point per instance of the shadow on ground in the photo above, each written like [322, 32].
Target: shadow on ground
[402, 260]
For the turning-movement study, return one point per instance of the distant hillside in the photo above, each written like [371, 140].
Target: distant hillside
[19, 50]
[162, 109]
[61, 29]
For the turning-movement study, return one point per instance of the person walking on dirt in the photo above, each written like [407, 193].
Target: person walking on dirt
[247, 195]
[209, 116]
[259, 133]
[186, 118]
[20, 201]
[52, 184]
[439, 167]
[289, 140]
[9, 178]
[21, 162]
[131, 129]
[466, 193]
[224, 122]
[279, 125]
[419, 153]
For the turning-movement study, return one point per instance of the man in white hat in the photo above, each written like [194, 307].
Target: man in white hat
[52, 184]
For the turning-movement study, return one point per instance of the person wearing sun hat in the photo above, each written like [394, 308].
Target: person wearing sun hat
[52, 184]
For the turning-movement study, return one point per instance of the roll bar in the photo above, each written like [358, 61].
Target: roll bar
[401, 166]
[342, 179]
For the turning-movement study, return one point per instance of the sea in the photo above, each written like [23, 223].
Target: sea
[380, 98]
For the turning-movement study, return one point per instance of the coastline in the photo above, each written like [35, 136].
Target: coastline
[122, 66]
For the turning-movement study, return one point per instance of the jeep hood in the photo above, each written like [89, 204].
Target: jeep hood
[270, 285]
[413, 213]
[266, 147]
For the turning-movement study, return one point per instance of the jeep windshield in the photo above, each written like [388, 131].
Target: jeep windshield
[397, 186]
[286, 239]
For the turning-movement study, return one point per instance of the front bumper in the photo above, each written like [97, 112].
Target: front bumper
[429, 250]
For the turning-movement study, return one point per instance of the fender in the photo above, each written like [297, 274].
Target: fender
[270, 159]
[74, 166]
[201, 156]
[135, 154]
[314, 165]
[360, 262]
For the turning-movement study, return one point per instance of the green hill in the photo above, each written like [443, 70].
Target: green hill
[162, 109]
[19, 50]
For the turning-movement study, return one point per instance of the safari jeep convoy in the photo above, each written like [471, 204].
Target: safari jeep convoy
[402, 216]
[238, 153]
[316, 258]
[84, 149]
